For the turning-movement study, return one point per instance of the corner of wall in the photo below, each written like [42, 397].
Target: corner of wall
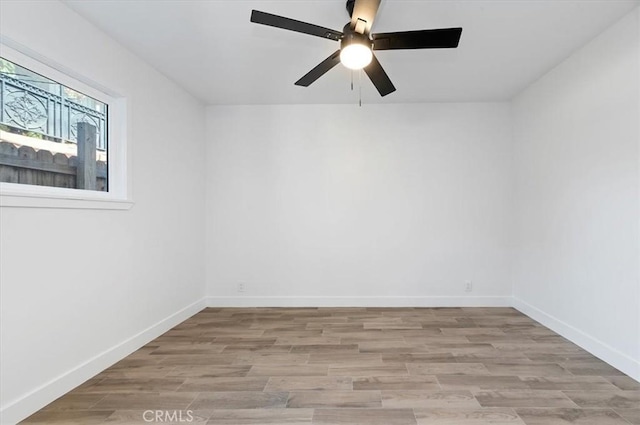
[595, 74]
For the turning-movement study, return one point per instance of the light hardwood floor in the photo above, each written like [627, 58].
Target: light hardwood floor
[388, 366]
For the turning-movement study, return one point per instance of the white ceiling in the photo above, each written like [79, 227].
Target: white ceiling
[212, 50]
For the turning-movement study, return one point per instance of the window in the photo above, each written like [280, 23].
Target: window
[60, 138]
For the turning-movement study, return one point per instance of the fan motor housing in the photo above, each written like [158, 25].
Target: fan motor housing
[352, 37]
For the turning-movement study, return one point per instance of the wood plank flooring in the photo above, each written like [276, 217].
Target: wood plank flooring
[388, 366]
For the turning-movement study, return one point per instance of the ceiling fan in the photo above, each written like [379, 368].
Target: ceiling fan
[357, 43]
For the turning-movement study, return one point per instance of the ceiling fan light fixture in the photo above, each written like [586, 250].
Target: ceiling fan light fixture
[355, 51]
[356, 56]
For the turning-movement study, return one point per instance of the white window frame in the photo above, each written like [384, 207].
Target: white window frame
[119, 185]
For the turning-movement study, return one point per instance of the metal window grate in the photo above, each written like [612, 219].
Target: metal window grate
[30, 108]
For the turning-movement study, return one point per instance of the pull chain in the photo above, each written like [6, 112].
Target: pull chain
[352, 80]
[360, 88]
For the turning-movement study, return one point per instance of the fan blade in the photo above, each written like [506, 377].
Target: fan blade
[379, 78]
[425, 39]
[364, 13]
[293, 25]
[317, 72]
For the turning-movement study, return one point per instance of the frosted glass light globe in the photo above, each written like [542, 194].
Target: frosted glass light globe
[356, 56]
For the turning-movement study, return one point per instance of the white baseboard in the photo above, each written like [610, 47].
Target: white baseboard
[26, 405]
[381, 301]
[594, 346]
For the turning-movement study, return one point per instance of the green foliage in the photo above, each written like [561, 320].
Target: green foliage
[22, 132]
[7, 67]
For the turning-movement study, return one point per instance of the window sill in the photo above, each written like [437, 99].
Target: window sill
[24, 200]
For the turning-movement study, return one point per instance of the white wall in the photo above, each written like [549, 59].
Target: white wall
[340, 205]
[577, 197]
[79, 286]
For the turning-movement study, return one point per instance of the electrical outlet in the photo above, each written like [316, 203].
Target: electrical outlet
[468, 286]
[241, 287]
